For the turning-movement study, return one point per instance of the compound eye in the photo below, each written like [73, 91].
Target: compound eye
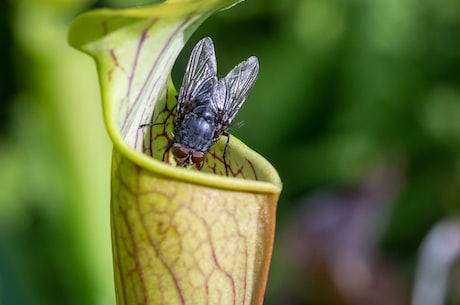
[197, 157]
[180, 152]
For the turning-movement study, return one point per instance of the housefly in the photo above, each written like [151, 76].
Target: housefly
[207, 105]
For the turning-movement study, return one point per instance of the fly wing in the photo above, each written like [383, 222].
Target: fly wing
[199, 79]
[232, 90]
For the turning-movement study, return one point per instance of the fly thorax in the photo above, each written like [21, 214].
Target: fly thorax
[196, 130]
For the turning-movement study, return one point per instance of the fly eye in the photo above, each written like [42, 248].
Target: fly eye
[180, 152]
[197, 157]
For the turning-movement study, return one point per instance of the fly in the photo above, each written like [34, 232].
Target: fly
[206, 105]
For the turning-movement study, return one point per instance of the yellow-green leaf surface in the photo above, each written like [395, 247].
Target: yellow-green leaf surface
[180, 236]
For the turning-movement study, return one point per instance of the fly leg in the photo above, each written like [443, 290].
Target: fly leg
[170, 144]
[225, 151]
[156, 124]
[162, 123]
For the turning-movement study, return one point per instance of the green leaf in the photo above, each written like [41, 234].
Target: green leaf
[180, 236]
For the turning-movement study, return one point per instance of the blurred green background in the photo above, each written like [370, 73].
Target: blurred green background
[357, 105]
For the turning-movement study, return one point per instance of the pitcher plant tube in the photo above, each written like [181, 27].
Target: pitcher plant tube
[179, 236]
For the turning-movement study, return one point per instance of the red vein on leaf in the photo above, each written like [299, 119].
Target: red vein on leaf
[159, 118]
[216, 158]
[163, 259]
[117, 233]
[225, 272]
[239, 171]
[154, 66]
[253, 169]
[137, 56]
[209, 225]
[138, 269]
[147, 143]
[116, 63]
[133, 105]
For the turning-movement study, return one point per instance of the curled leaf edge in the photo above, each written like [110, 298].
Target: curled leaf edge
[270, 185]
